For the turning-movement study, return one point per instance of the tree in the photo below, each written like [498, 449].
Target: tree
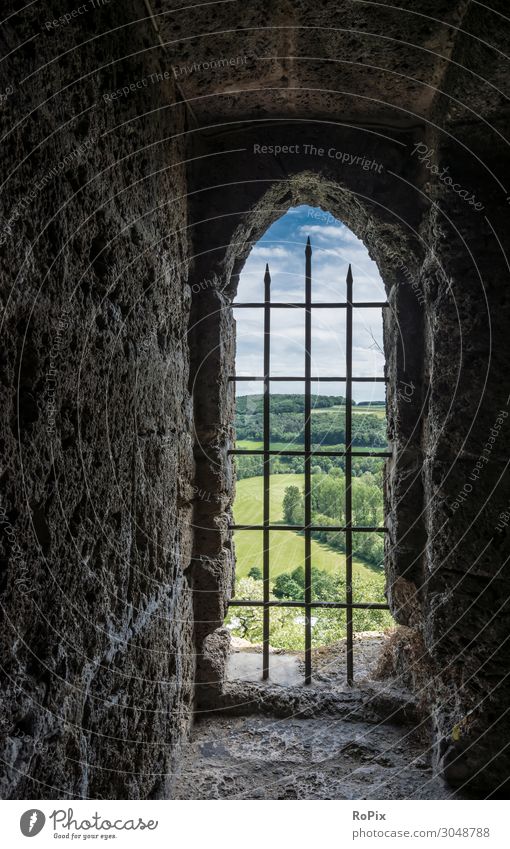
[329, 626]
[328, 496]
[285, 587]
[292, 586]
[324, 586]
[292, 505]
[255, 573]
[298, 575]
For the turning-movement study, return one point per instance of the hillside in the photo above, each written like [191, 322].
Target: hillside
[327, 420]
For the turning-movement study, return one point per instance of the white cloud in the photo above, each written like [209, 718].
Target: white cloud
[323, 231]
[270, 252]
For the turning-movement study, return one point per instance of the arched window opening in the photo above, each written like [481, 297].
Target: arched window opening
[308, 518]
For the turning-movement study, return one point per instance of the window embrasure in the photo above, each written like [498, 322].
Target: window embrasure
[308, 517]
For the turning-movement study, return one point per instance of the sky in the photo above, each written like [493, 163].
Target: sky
[334, 246]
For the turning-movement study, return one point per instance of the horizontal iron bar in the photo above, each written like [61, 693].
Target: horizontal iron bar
[332, 528]
[237, 377]
[367, 605]
[297, 305]
[261, 452]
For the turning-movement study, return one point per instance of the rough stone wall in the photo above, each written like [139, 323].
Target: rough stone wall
[96, 457]
[336, 60]
[212, 339]
[466, 482]
[466, 616]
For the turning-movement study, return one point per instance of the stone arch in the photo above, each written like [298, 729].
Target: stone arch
[373, 225]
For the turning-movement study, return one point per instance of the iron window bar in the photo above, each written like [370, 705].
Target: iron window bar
[308, 604]
[338, 605]
[308, 462]
[274, 453]
[302, 528]
[316, 305]
[267, 472]
[275, 378]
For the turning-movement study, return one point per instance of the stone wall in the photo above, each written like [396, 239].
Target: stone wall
[466, 610]
[117, 267]
[96, 458]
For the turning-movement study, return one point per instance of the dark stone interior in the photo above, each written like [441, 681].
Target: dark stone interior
[132, 194]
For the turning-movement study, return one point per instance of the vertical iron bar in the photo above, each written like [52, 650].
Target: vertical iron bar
[308, 462]
[348, 480]
[267, 471]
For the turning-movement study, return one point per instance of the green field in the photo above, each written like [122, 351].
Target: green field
[252, 445]
[249, 444]
[287, 548]
[378, 410]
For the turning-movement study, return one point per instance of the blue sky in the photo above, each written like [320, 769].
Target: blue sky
[334, 247]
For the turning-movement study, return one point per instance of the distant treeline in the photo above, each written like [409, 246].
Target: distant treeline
[287, 403]
[287, 421]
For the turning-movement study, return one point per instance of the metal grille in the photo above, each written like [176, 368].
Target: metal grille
[308, 453]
